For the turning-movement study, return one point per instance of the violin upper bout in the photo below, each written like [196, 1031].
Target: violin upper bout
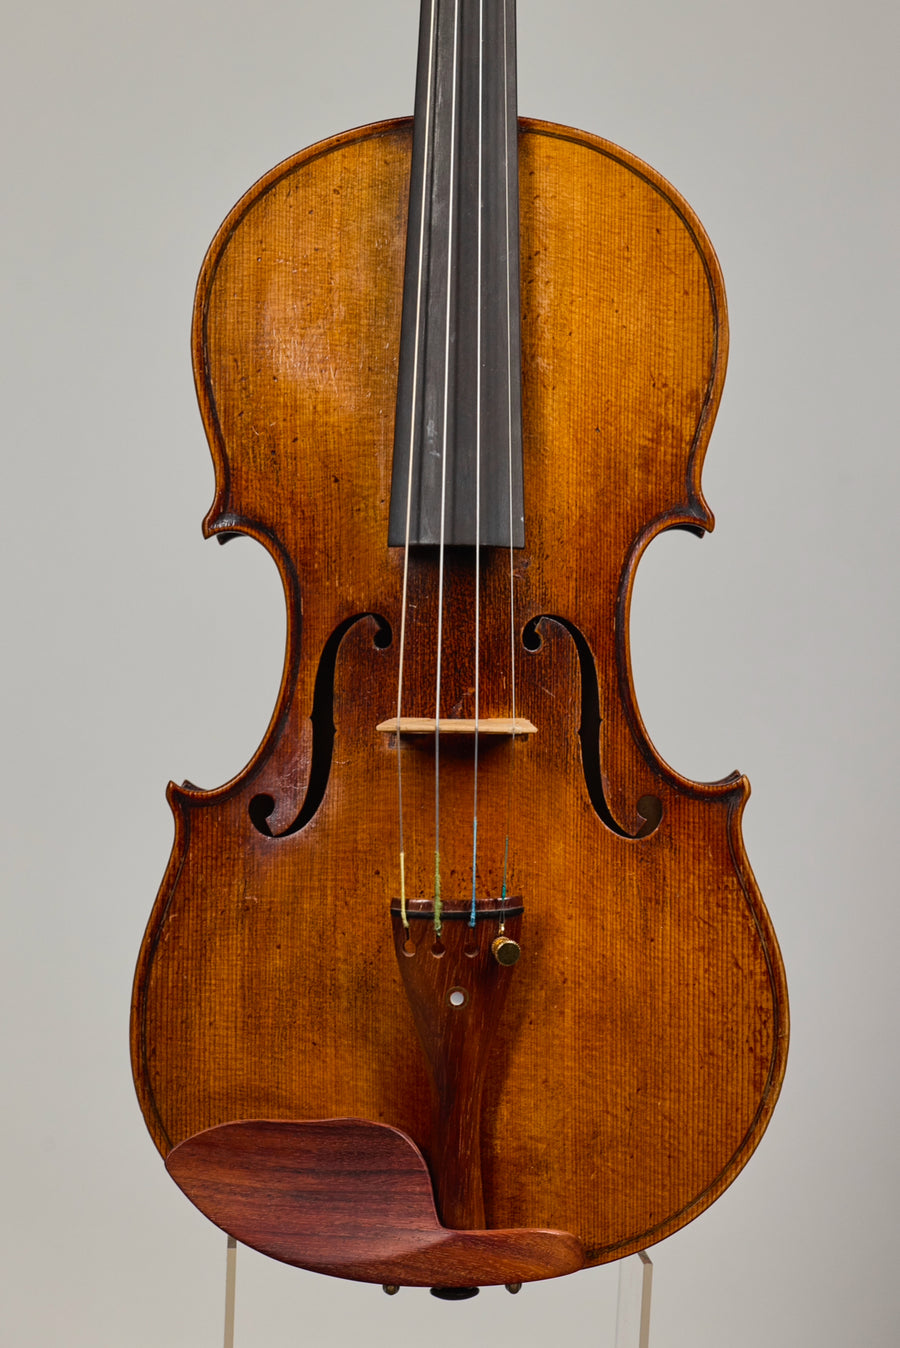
[296, 337]
[625, 337]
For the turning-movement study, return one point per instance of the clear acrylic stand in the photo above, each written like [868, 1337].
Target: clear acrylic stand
[632, 1307]
[230, 1277]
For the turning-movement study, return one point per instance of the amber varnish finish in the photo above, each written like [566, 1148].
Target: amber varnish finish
[643, 1038]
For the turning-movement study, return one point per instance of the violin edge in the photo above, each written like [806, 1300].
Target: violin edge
[777, 1067]
[732, 791]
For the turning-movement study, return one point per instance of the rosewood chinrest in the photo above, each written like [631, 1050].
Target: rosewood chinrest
[353, 1199]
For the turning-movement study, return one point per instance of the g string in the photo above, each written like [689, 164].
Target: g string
[412, 437]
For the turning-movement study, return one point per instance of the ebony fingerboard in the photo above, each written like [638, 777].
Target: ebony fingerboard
[459, 404]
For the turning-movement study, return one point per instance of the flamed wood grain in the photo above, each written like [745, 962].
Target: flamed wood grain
[643, 1040]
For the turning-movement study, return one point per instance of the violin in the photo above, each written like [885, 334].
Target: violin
[457, 983]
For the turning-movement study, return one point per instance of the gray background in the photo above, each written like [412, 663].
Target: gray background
[135, 652]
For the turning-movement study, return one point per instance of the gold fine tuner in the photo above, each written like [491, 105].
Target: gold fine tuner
[505, 951]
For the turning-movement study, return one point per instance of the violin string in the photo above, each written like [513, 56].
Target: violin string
[478, 464]
[440, 628]
[420, 282]
[511, 317]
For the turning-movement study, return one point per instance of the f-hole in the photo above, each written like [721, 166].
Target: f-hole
[649, 807]
[322, 719]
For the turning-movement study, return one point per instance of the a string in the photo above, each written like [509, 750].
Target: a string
[440, 627]
[412, 438]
